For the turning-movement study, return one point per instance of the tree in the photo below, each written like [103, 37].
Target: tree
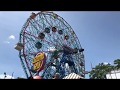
[117, 63]
[114, 68]
[100, 71]
[109, 68]
[5, 75]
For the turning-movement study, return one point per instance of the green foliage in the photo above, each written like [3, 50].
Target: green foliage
[117, 63]
[100, 70]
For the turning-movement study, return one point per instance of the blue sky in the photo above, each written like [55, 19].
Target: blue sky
[98, 33]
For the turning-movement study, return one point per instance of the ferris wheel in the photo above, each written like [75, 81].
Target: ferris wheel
[49, 46]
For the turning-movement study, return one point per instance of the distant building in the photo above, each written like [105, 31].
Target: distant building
[113, 75]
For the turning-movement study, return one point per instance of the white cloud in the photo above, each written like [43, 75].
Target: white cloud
[106, 63]
[7, 77]
[11, 37]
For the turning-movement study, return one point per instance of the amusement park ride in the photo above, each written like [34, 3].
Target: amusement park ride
[49, 48]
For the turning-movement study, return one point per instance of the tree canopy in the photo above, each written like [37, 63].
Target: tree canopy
[100, 70]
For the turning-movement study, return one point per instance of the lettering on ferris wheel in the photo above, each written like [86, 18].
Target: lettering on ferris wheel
[38, 61]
